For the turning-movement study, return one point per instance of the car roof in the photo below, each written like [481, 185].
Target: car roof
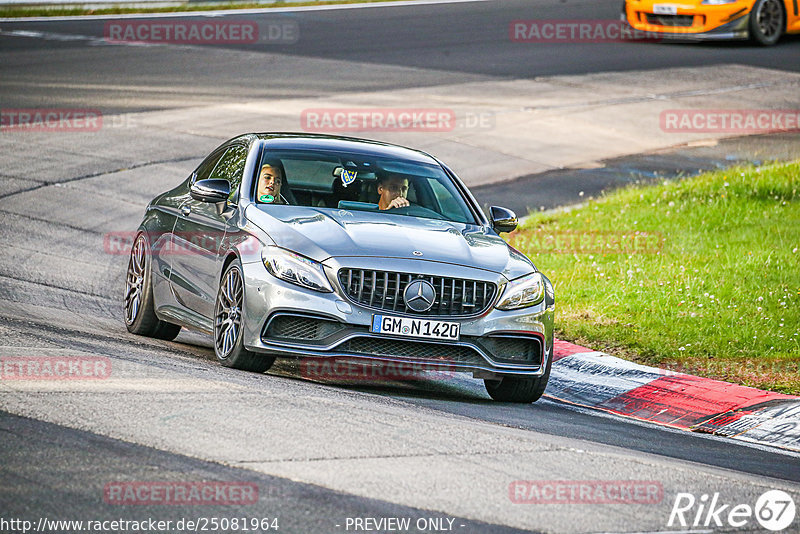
[332, 143]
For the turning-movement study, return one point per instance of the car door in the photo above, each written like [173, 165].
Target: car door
[198, 234]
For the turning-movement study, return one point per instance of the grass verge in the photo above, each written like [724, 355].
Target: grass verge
[699, 275]
[35, 11]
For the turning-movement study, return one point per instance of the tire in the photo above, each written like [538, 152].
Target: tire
[767, 22]
[519, 389]
[228, 338]
[139, 308]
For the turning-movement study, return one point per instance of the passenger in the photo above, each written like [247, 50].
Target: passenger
[392, 192]
[270, 180]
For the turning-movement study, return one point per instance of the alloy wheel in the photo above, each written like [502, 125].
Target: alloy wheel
[228, 318]
[769, 17]
[134, 282]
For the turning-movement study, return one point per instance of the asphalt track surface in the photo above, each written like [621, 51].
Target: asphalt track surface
[436, 44]
[318, 452]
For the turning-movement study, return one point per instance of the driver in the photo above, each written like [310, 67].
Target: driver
[392, 191]
[270, 180]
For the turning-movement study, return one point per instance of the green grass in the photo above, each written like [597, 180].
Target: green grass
[34, 11]
[711, 287]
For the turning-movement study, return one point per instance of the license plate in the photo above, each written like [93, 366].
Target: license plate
[665, 9]
[411, 327]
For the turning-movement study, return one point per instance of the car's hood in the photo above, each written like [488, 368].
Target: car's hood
[323, 233]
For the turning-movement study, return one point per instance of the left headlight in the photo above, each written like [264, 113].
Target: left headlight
[295, 269]
[522, 292]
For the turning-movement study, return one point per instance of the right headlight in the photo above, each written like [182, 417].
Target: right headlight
[522, 292]
[296, 269]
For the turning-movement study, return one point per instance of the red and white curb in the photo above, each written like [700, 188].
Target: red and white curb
[600, 381]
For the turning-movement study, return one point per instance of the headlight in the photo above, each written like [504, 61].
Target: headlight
[718, 2]
[295, 269]
[522, 292]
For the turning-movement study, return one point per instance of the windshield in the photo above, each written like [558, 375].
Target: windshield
[335, 180]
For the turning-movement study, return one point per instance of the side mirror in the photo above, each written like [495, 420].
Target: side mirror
[503, 219]
[212, 190]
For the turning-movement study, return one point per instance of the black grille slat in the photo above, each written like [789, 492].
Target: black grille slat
[396, 292]
[372, 289]
[383, 290]
[452, 296]
[442, 298]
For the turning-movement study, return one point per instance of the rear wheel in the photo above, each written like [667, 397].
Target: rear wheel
[228, 338]
[140, 315]
[519, 389]
[767, 22]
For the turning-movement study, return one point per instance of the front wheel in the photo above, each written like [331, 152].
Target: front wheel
[519, 389]
[140, 315]
[228, 337]
[767, 22]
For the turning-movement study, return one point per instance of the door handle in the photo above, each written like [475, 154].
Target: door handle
[185, 210]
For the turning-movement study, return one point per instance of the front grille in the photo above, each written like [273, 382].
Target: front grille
[682, 21]
[416, 350]
[383, 290]
[514, 349]
[301, 328]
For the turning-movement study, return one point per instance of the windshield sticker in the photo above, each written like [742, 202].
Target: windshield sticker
[266, 198]
[348, 177]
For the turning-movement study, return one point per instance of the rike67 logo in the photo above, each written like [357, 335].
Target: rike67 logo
[774, 510]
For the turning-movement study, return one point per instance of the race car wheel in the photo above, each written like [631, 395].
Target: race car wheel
[228, 339]
[519, 389]
[140, 316]
[767, 22]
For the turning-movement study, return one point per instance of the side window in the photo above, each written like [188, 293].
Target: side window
[231, 167]
[205, 168]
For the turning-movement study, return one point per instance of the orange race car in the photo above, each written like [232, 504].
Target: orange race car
[763, 21]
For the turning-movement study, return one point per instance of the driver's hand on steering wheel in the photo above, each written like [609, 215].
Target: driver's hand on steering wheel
[399, 202]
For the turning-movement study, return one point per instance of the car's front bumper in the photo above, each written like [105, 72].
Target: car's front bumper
[285, 320]
[690, 22]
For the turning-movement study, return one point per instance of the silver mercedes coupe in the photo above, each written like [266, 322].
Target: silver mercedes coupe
[314, 246]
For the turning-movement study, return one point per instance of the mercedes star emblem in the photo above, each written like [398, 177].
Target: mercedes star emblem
[419, 296]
